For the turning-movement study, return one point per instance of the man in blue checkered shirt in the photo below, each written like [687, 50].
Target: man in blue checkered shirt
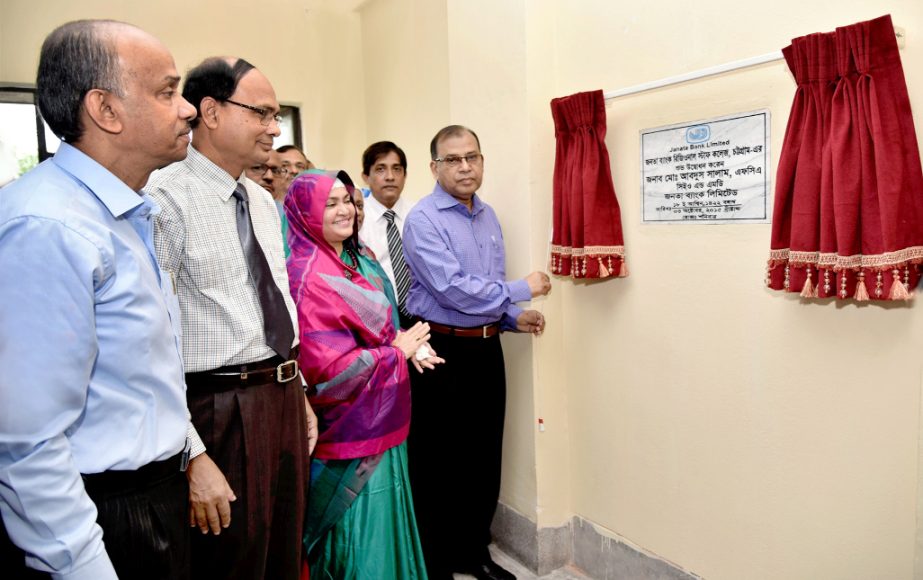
[454, 247]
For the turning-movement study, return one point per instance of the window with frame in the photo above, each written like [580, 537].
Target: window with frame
[290, 127]
[26, 140]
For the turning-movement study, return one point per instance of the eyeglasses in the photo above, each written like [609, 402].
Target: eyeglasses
[279, 171]
[266, 115]
[453, 161]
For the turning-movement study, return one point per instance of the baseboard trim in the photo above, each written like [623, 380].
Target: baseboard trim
[598, 553]
[541, 550]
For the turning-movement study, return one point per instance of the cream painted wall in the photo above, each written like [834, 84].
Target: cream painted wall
[309, 49]
[488, 92]
[736, 432]
[333, 74]
[551, 370]
[405, 56]
[424, 70]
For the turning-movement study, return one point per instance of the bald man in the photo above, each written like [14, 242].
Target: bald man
[93, 414]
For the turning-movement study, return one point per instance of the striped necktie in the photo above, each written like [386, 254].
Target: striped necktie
[396, 251]
[277, 323]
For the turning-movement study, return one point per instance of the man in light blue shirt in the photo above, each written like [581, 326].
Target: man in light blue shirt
[93, 415]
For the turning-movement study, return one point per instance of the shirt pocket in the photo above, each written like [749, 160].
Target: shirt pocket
[497, 260]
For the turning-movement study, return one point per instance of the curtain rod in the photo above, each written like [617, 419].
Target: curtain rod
[714, 70]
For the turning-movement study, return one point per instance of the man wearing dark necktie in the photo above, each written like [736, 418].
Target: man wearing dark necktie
[384, 169]
[218, 236]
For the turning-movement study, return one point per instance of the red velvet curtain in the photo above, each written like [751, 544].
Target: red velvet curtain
[848, 214]
[587, 237]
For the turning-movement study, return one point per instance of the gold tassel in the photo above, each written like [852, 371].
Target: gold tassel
[808, 290]
[862, 293]
[898, 291]
[623, 269]
[603, 272]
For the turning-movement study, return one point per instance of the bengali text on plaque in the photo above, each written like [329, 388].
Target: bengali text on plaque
[713, 171]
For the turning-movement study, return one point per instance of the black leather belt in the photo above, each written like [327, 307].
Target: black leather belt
[136, 479]
[269, 371]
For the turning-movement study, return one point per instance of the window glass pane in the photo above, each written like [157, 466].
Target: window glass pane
[51, 140]
[18, 141]
[19, 145]
[290, 128]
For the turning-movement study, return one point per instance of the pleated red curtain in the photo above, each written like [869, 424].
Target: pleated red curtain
[587, 238]
[848, 213]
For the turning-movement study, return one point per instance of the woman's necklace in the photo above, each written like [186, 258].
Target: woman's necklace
[354, 262]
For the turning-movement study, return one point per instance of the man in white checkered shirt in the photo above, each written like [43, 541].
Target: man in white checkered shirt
[218, 236]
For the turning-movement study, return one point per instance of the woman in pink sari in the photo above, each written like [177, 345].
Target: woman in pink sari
[360, 521]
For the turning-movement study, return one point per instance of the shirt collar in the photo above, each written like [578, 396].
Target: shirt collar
[445, 200]
[374, 209]
[109, 189]
[218, 180]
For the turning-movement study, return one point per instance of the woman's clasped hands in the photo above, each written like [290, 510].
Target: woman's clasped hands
[413, 342]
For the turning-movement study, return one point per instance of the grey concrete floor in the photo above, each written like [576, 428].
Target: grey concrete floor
[522, 573]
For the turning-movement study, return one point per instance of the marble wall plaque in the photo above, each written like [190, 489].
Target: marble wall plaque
[713, 171]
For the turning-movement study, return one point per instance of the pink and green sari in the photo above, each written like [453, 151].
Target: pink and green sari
[360, 521]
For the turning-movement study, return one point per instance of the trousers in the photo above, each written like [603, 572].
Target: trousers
[455, 450]
[257, 436]
[145, 527]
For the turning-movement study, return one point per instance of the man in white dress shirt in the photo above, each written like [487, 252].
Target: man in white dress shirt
[384, 170]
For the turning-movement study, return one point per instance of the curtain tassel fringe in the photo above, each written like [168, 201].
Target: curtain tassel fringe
[862, 292]
[808, 290]
[898, 290]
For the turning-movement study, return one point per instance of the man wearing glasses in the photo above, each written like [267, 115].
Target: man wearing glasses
[218, 236]
[454, 247]
[266, 175]
[293, 161]
[274, 179]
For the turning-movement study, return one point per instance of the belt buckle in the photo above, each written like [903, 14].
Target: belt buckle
[484, 331]
[281, 376]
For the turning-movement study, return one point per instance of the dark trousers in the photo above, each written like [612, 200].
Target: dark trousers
[406, 321]
[145, 529]
[257, 436]
[454, 450]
